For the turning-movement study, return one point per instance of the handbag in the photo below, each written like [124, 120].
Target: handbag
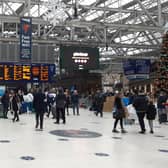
[119, 113]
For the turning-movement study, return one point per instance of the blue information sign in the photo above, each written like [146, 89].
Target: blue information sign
[129, 67]
[25, 38]
[136, 69]
[142, 66]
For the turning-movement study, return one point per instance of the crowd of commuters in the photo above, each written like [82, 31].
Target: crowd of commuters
[145, 105]
[54, 101]
[57, 102]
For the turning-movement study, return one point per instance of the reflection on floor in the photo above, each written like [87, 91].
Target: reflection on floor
[23, 147]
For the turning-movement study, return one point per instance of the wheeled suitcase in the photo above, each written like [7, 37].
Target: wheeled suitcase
[162, 118]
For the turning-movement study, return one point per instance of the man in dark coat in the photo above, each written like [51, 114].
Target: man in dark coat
[60, 106]
[15, 108]
[5, 103]
[141, 103]
[99, 99]
[39, 107]
[75, 102]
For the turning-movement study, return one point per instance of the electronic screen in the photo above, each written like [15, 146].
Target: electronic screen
[79, 58]
[27, 72]
[136, 68]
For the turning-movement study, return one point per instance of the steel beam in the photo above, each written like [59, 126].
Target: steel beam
[85, 43]
[81, 24]
[159, 12]
[119, 9]
[33, 2]
[14, 13]
[143, 55]
[16, 19]
[129, 27]
[147, 13]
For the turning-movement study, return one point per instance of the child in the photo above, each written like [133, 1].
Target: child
[151, 114]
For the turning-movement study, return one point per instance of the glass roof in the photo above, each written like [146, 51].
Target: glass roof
[95, 16]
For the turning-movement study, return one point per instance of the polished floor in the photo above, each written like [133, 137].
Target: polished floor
[20, 140]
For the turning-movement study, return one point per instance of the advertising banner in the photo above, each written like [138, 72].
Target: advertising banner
[25, 38]
[79, 58]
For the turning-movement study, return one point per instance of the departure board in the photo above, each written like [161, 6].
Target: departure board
[27, 72]
[35, 72]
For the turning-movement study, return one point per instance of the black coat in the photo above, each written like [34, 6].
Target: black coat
[60, 100]
[151, 112]
[38, 102]
[15, 103]
[5, 100]
[118, 103]
[75, 99]
[161, 101]
[140, 103]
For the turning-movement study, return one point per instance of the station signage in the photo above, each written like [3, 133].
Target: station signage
[137, 68]
[27, 72]
[25, 38]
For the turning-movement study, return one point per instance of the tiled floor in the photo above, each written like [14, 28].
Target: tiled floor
[132, 150]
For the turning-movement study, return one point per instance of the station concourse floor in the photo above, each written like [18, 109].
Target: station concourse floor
[41, 149]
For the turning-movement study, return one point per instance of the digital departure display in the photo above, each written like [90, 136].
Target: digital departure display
[27, 72]
[136, 68]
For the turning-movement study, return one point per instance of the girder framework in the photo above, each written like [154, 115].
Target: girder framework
[121, 28]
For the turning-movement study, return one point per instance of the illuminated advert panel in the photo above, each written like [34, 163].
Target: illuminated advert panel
[79, 58]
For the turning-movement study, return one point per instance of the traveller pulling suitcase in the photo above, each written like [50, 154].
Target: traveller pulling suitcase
[162, 115]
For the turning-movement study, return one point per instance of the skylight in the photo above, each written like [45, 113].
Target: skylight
[86, 2]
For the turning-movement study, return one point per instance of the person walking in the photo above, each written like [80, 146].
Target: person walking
[30, 101]
[21, 100]
[151, 115]
[67, 101]
[14, 104]
[75, 102]
[39, 107]
[141, 103]
[99, 98]
[5, 104]
[119, 113]
[51, 102]
[60, 106]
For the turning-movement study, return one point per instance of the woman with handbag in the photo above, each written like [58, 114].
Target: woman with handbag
[151, 114]
[119, 113]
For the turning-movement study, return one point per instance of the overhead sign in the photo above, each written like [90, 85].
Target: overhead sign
[137, 69]
[129, 67]
[79, 58]
[27, 72]
[25, 38]
[142, 66]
